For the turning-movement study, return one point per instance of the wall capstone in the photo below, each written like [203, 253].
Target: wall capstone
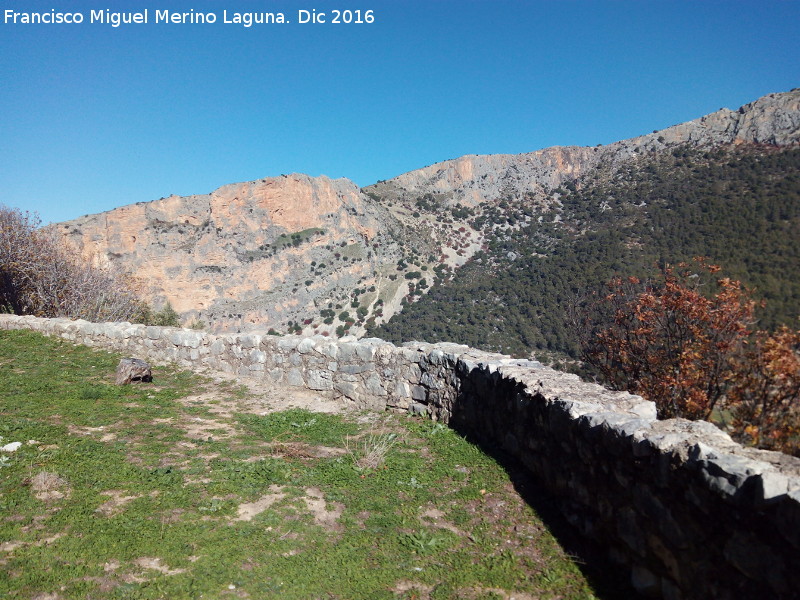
[691, 513]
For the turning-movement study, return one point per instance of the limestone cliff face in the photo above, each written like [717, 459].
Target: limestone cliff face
[295, 252]
[257, 253]
[473, 179]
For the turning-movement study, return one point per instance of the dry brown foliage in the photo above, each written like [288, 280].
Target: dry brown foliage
[41, 276]
[765, 394]
[692, 353]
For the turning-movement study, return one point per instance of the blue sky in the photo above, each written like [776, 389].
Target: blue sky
[94, 117]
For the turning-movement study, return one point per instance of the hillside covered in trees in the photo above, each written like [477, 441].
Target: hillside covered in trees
[737, 205]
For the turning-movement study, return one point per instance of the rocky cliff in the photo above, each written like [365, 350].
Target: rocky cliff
[297, 253]
[265, 252]
[474, 179]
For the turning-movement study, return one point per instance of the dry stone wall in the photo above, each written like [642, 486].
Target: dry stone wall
[691, 513]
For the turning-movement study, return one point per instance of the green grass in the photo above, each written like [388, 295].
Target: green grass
[115, 497]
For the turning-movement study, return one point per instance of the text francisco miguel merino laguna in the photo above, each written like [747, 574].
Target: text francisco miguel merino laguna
[244, 19]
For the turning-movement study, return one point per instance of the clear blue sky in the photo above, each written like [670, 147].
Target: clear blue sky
[94, 117]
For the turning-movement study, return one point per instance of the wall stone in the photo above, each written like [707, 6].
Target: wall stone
[691, 513]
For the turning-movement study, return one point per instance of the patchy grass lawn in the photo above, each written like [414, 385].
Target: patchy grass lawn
[184, 489]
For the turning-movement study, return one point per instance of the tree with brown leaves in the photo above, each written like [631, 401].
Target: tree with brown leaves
[692, 352]
[764, 396]
[667, 341]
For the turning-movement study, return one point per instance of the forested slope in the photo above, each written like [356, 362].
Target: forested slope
[739, 206]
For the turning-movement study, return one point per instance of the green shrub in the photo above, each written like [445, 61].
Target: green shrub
[166, 317]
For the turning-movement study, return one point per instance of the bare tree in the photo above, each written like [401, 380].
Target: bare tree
[40, 276]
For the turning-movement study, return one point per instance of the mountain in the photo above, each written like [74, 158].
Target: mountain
[251, 254]
[773, 120]
[480, 249]
[737, 205]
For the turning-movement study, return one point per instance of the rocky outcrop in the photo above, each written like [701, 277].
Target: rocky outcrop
[300, 253]
[473, 179]
[773, 119]
[258, 253]
[691, 513]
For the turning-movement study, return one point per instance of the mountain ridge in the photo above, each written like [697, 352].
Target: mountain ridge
[319, 255]
[208, 254]
[773, 119]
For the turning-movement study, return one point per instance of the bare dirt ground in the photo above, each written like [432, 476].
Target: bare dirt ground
[264, 397]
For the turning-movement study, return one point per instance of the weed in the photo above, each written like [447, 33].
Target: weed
[370, 453]
[421, 542]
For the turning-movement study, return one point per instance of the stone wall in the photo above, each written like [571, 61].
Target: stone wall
[690, 512]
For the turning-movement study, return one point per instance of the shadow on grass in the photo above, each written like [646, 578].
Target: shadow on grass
[609, 580]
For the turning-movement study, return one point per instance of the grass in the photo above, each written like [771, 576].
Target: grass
[154, 491]
[371, 453]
